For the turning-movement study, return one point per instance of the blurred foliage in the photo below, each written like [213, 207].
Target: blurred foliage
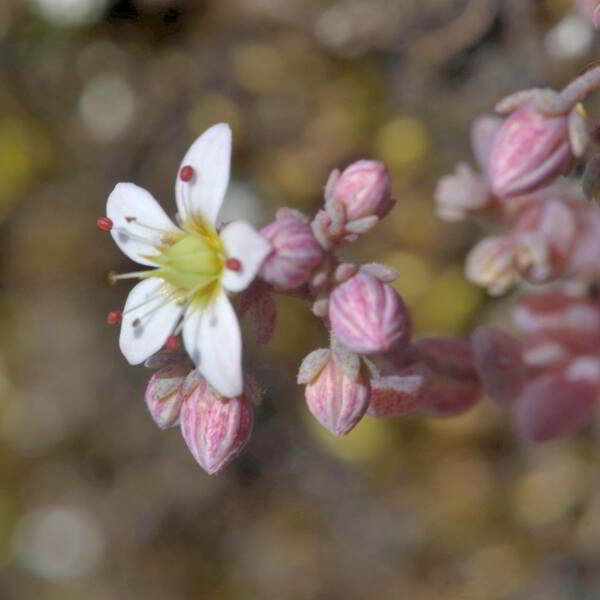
[96, 503]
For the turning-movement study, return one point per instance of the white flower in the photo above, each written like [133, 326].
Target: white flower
[193, 266]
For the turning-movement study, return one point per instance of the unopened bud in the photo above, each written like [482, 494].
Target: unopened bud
[499, 360]
[295, 255]
[552, 406]
[461, 193]
[368, 316]
[529, 150]
[162, 394]
[491, 264]
[544, 237]
[364, 190]
[337, 400]
[215, 429]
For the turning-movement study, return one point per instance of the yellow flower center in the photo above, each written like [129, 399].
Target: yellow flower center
[193, 262]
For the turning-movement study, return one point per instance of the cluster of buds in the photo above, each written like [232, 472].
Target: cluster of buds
[546, 232]
[545, 228]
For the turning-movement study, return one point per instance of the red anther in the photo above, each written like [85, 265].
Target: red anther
[104, 223]
[114, 317]
[233, 264]
[186, 173]
[173, 342]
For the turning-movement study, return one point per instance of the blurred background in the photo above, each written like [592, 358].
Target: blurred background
[95, 501]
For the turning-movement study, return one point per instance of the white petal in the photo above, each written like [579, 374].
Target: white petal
[209, 156]
[138, 222]
[243, 242]
[213, 340]
[149, 304]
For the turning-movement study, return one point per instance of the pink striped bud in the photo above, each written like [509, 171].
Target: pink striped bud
[295, 255]
[499, 360]
[529, 150]
[552, 406]
[336, 399]
[368, 316]
[572, 322]
[364, 190]
[544, 238]
[162, 394]
[215, 429]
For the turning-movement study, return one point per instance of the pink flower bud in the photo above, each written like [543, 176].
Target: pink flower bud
[215, 429]
[552, 406]
[368, 316]
[364, 190]
[529, 150]
[572, 322]
[544, 237]
[337, 400]
[162, 394]
[295, 255]
[499, 360]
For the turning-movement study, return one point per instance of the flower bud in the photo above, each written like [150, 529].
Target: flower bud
[552, 406]
[368, 316]
[529, 150]
[499, 360]
[544, 237]
[461, 194]
[295, 255]
[337, 400]
[215, 428]
[364, 190]
[490, 264]
[162, 394]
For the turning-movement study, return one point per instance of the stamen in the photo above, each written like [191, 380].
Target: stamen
[186, 174]
[114, 277]
[173, 342]
[114, 317]
[104, 224]
[233, 264]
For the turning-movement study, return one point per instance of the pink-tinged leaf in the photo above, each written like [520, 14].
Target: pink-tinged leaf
[448, 356]
[552, 406]
[571, 321]
[313, 364]
[400, 394]
[446, 397]
[263, 314]
[499, 360]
